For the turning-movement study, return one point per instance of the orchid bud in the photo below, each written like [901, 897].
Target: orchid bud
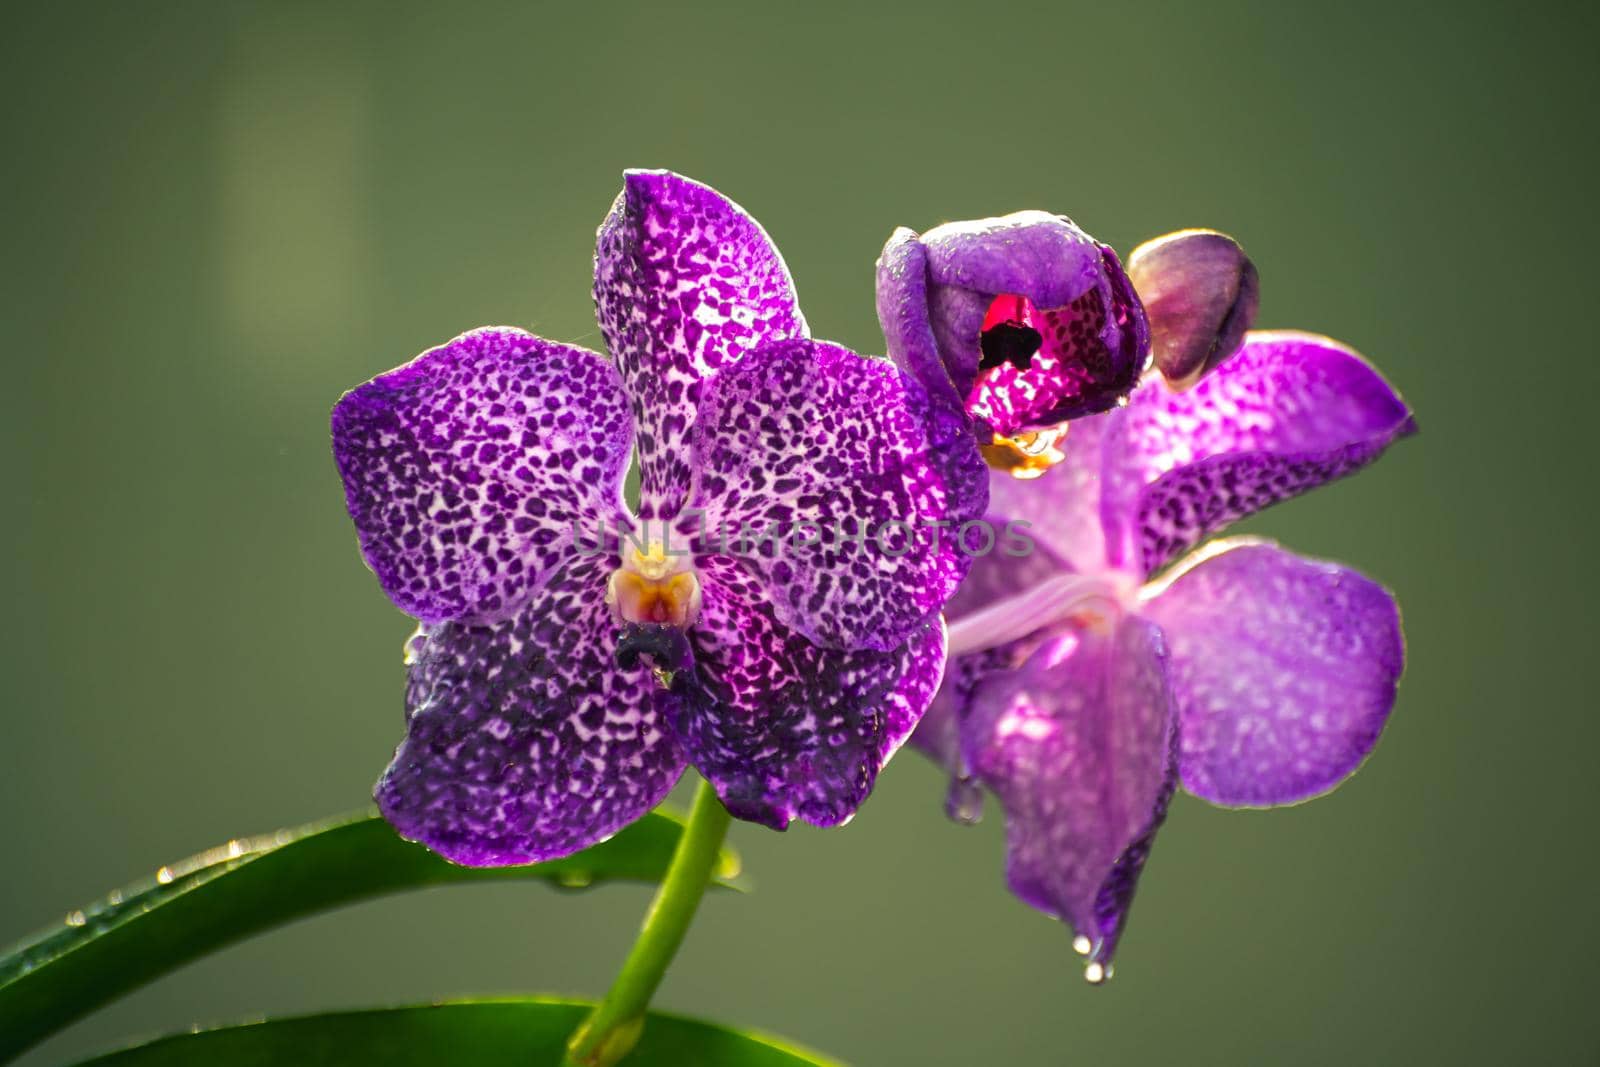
[1023, 321]
[1200, 291]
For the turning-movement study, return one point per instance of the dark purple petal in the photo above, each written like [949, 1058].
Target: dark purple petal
[904, 317]
[1200, 292]
[1284, 670]
[831, 470]
[468, 470]
[1034, 321]
[1288, 413]
[783, 728]
[685, 283]
[1079, 746]
[524, 740]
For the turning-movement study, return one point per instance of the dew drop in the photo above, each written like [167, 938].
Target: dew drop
[76, 918]
[1081, 945]
[575, 879]
[1095, 973]
[964, 802]
[164, 876]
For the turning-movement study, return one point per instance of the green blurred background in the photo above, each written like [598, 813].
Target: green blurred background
[219, 217]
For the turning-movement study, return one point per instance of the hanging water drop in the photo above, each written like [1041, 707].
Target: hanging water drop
[964, 801]
[575, 879]
[1081, 945]
[1095, 973]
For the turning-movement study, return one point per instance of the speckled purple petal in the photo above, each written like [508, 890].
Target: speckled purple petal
[468, 470]
[1095, 341]
[842, 460]
[1079, 747]
[786, 729]
[1284, 671]
[524, 740]
[1289, 412]
[685, 283]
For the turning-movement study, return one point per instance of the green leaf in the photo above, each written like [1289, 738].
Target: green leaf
[526, 1032]
[227, 893]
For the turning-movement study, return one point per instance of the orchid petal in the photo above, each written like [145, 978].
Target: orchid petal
[1284, 670]
[783, 728]
[826, 473]
[524, 740]
[468, 470]
[1289, 412]
[902, 292]
[685, 284]
[1079, 747]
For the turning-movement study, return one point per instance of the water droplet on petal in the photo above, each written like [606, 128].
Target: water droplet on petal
[1081, 945]
[1095, 973]
[964, 802]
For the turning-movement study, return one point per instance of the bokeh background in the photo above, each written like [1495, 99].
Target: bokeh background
[218, 217]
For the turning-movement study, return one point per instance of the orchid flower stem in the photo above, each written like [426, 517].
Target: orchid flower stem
[615, 1024]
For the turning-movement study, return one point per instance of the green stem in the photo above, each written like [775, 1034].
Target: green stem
[614, 1026]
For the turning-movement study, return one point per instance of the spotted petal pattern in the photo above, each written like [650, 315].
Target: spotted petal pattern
[524, 741]
[685, 283]
[842, 460]
[785, 729]
[468, 470]
[1284, 670]
[1289, 412]
[1078, 745]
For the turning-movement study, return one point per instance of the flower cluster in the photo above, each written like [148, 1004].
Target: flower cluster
[576, 650]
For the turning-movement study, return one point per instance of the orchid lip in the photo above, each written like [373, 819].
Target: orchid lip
[654, 586]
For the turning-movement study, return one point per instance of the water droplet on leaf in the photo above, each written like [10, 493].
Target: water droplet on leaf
[575, 879]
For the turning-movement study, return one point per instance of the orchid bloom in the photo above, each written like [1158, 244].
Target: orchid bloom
[573, 656]
[1021, 322]
[1081, 689]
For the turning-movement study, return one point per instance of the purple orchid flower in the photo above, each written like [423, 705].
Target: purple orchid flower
[572, 656]
[1021, 322]
[1081, 692]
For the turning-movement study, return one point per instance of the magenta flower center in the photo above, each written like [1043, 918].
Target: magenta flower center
[1009, 336]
